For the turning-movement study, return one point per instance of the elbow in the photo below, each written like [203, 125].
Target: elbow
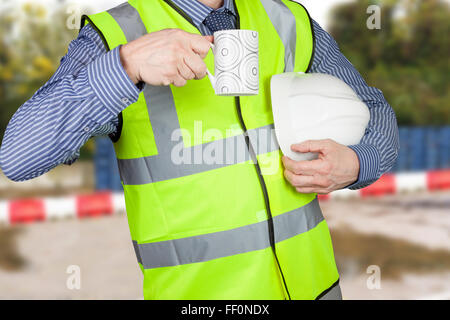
[13, 178]
[11, 175]
[7, 167]
[19, 167]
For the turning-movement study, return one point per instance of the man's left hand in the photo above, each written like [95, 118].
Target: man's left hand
[336, 168]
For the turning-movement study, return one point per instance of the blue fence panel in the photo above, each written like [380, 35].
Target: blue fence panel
[403, 160]
[106, 171]
[423, 148]
[432, 148]
[444, 147]
[116, 183]
[417, 149]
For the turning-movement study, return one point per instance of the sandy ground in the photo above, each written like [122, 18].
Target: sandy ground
[101, 248]
[407, 236]
[421, 218]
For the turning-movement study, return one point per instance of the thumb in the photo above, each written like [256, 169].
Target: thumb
[309, 146]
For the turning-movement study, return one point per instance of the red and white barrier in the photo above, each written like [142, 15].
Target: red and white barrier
[107, 203]
[81, 206]
[397, 184]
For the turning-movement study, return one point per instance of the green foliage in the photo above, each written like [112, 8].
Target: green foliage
[31, 44]
[408, 58]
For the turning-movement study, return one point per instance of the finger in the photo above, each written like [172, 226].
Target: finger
[201, 44]
[299, 180]
[308, 168]
[311, 146]
[312, 190]
[185, 71]
[196, 65]
[307, 181]
[179, 81]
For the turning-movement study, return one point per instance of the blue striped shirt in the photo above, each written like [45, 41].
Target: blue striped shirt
[90, 88]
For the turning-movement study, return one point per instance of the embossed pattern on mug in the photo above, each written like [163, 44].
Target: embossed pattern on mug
[237, 62]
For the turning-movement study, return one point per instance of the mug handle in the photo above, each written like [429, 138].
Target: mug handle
[211, 77]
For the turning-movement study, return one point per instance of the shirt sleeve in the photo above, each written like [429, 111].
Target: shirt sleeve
[378, 149]
[81, 100]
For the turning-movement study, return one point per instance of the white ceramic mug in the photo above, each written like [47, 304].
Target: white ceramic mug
[236, 59]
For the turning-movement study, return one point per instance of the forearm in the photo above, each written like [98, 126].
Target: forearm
[378, 149]
[80, 101]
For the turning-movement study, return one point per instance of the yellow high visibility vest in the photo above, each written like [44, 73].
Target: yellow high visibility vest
[208, 220]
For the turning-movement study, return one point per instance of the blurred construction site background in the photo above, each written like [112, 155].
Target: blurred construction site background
[388, 246]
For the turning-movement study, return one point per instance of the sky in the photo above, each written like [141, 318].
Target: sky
[318, 9]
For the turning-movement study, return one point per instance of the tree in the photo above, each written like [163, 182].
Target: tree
[407, 58]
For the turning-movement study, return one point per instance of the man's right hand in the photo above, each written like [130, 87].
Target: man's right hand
[170, 56]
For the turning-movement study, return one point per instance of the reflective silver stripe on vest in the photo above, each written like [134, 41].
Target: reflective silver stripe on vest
[163, 116]
[284, 22]
[180, 162]
[230, 242]
[129, 20]
[334, 294]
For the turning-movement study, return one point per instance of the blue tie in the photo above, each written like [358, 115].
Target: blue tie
[217, 21]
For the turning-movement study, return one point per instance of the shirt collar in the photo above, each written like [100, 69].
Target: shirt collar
[198, 11]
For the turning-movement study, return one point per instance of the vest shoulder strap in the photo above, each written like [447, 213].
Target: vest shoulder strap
[305, 35]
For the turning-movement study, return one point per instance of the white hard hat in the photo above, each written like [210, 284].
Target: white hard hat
[315, 106]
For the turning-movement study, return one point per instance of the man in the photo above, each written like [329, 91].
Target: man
[202, 230]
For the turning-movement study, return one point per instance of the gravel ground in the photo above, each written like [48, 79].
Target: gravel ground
[407, 236]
